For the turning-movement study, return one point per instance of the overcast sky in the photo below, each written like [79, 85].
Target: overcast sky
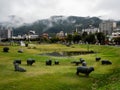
[31, 10]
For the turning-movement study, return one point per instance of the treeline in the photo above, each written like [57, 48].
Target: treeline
[97, 38]
[84, 38]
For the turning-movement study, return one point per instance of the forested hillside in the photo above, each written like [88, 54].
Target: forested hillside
[56, 24]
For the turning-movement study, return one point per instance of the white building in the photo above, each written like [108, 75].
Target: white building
[107, 27]
[6, 33]
[91, 30]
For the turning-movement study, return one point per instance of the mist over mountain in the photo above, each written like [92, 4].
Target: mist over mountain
[12, 21]
[54, 24]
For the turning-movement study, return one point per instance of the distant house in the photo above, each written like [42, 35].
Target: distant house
[45, 35]
[32, 35]
[60, 35]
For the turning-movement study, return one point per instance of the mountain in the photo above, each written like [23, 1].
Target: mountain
[12, 21]
[56, 24]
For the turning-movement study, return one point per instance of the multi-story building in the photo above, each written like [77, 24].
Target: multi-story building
[107, 27]
[6, 33]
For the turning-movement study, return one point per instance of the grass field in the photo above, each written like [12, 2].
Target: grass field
[59, 77]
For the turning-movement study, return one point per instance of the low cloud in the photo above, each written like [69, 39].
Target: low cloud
[31, 10]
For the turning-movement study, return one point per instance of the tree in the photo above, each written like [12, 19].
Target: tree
[76, 38]
[100, 37]
[117, 40]
[84, 35]
[54, 40]
[69, 38]
[90, 39]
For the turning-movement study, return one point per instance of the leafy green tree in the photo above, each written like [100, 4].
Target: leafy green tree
[84, 35]
[54, 40]
[100, 37]
[90, 39]
[69, 38]
[44, 40]
[76, 38]
[117, 40]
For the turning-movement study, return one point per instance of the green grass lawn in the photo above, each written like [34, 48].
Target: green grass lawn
[59, 77]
